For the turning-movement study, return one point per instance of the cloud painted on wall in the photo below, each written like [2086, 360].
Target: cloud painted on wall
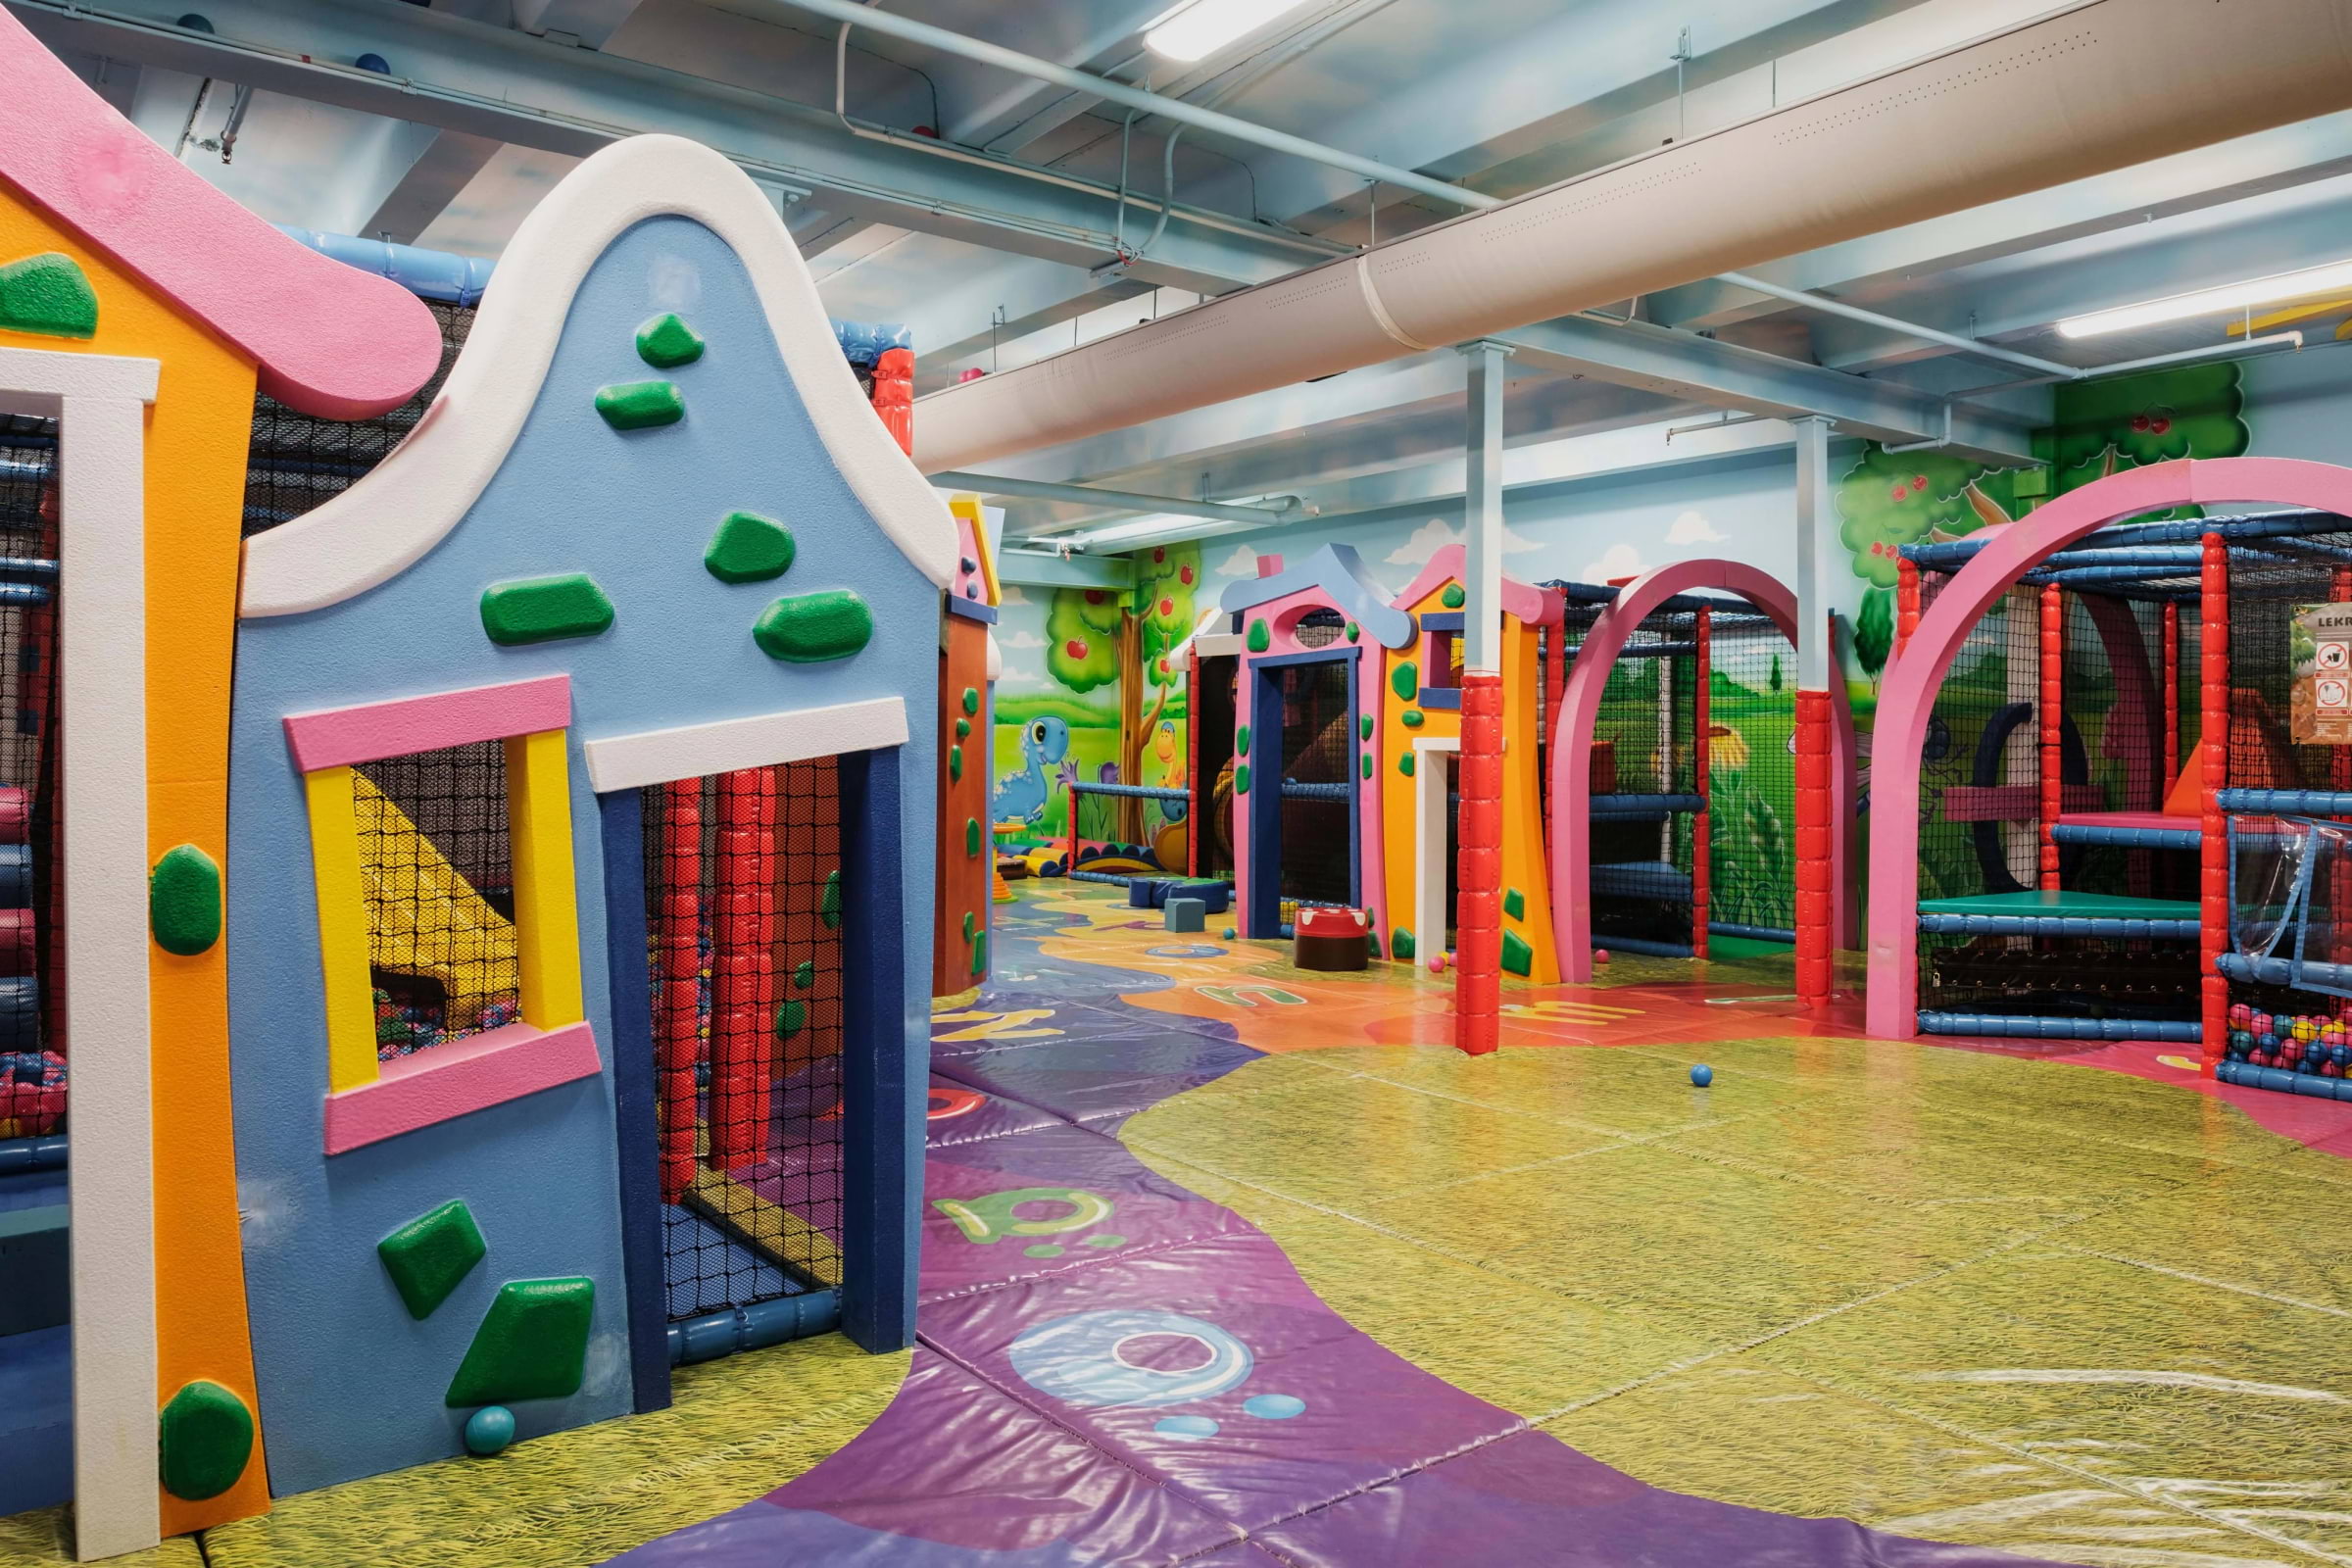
[1694, 528]
[1020, 639]
[1436, 533]
[1010, 594]
[1243, 562]
[1618, 561]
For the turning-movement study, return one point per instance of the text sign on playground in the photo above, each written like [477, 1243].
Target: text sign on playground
[2323, 693]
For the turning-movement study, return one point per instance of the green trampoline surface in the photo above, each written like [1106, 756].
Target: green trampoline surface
[2086, 906]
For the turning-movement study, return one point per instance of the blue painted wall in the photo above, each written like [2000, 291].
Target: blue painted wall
[350, 1385]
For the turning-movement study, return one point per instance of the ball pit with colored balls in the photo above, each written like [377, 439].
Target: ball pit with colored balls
[489, 1429]
[1702, 1075]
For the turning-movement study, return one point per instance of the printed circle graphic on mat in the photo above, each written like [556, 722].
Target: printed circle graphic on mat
[1185, 953]
[949, 1104]
[1083, 1359]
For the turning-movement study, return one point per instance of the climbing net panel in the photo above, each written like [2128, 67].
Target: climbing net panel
[33, 1038]
[1318, 760]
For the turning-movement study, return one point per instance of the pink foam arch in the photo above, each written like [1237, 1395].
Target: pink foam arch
[1907, 694]
[327, 338]
[1579, 710]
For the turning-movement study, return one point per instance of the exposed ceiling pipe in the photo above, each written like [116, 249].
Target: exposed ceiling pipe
[2102, 85]
[1087, 495]
[2050, 369]
[1118, 92]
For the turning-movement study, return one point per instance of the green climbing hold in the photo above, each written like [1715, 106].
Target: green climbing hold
[48, 294]
[1241, 741]
[1410, 718]
[183, 900]
[963, 729]
[811, 628]
[791, 1018]
[971, 699]
[1452, 597]
[532, 1344]
[749, 548]
[1365, 727]
[1400, 944]
[1404, 763]
[1354, 632]
[428, 1256]
[539, 609]
[1259, 639]
[1517, 955]
[1407, 681]
[1514, 904]
[666, 342]
[972, 835]
[204, 1438]
[955, 761]
[1241, 779]
[1368, 761]
[803, 974]
[971, 925]
[980, 954]
[640, 404]
[828, 906]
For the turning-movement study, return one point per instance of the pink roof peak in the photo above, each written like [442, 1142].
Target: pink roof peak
[1521, 600]
[328, 339]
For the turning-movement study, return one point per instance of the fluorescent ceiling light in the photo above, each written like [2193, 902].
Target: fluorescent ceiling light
[2213, 301]
[1199, 28]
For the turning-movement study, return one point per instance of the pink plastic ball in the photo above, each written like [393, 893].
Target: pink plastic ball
[2241, 1015]
[1437, 963]
[1601, 955]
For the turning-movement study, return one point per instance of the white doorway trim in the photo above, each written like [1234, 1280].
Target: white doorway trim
[1433, 847]
[99, 402]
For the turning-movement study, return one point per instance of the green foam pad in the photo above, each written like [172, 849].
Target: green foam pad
[183, 900]
[1407, 681]
[828, 904]
[1400, 944]
[1517, 957]
[532, 1344]
[971, 699]
[1514, 904]
[48, 294]
[666, 342]
[791, 1018]
[1241, 741]
[963, 729]
[1354, 631]
[1241, 779]
[204, 1438]
[811, 628]
[1368, 761]
[2090, 906]
[749, 548]
[980, 954]
[539, 609]
[972, 835]
[955, 760]
[1259, 639]
[428, 1256]
[803, 974]
[971, 925]
[640, 404]
[1404, 763]
[1410, 718]
[1452, 597]
[1365, 725]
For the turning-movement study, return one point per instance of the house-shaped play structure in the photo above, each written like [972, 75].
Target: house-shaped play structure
[635, 639]
[1307, 825]
[138, 310]
[1420, 735]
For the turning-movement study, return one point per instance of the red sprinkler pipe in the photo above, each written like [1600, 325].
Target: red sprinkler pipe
[2212, 745]
[677, 933]
[1906, 603]
[743, 969]
[1478, 903]
[1701, 831]
[2053, 697]
[2171, 700]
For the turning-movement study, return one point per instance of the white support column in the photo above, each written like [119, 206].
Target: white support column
[1817, 552]
[1482, 508]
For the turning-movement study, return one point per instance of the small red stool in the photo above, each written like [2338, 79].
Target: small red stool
[1331, 940]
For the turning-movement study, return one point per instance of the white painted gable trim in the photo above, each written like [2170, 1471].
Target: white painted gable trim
[689, 751]
[386, 522]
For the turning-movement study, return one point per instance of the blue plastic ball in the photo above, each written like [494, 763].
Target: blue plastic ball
[375, 63]
[1702, 1075]
[489, 1429]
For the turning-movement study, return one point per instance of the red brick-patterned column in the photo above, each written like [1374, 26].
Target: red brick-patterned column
[2213, 745]
[894, 395]
[2052, 705]
[1477, 907]
[1814, 937]
[2172, 700]
[742, 968]
[1906, 603]
[1701, 828]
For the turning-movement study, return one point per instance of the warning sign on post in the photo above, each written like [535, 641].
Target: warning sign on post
[2322, 646]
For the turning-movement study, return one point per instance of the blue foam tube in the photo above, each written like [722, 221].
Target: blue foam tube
[754, 1327]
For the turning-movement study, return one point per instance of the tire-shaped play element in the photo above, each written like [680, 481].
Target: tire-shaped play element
[1076, 1359]
[2073, 767]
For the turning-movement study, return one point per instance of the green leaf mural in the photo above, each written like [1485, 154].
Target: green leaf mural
[1082, 637]
[2127, 421]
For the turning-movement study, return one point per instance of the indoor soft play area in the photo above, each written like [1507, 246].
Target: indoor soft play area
[1235, 783]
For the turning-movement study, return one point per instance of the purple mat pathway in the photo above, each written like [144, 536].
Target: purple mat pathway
[1113, 1370]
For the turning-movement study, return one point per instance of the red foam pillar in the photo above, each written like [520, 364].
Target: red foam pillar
[894, 395]
[1813, 891]
[677, 935]
[1906, 603]
[1478, 908]
[2053, 698]
[2171, 700]
[1701, 828]
[2212, 746]
[742, 968]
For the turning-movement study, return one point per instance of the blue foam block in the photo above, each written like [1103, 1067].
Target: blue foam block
[1186, 915]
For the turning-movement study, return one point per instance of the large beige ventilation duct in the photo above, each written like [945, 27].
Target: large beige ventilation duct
[2102, 85]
